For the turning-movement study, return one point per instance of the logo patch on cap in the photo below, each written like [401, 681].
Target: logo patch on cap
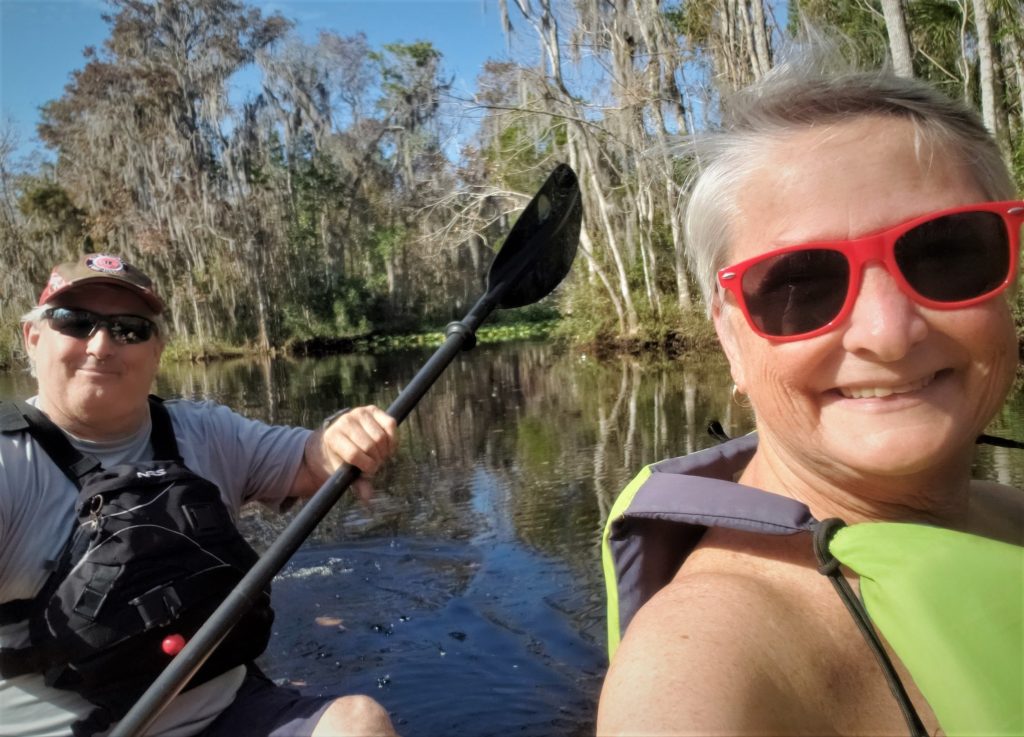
[55, 283]
[104, 263]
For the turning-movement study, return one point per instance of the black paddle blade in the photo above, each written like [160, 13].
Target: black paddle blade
[539, 251]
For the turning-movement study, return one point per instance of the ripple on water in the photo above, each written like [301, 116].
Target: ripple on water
[452, 638]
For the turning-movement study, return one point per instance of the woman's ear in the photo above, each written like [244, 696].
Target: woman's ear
[725, 319]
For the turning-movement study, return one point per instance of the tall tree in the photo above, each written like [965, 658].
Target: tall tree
[139, 135]
[986, 67]
[899, 38]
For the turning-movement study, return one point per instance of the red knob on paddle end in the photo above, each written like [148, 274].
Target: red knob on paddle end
[172, 644]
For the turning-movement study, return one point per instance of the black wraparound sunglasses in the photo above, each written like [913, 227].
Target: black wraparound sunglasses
[81, 324]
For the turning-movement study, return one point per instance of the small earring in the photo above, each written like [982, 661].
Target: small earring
[739, 398]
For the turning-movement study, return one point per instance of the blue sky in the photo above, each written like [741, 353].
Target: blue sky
[41, 41]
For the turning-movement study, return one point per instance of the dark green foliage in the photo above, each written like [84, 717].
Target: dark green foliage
[51, 214]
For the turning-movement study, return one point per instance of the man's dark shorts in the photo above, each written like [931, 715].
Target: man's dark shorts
[262, 709]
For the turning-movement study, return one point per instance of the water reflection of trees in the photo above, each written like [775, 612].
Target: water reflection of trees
[1004, 465]
[550, 437]
[619, 415]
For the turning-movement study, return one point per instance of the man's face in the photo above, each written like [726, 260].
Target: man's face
[94, 386]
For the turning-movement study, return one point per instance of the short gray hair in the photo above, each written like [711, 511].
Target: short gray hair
[35, 315]
[793, 97]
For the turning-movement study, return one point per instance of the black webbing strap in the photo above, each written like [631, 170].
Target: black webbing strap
[161, 437]
[829, 565]
[18, 416]
[70, 461]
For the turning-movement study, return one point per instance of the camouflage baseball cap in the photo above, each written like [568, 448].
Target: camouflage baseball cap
[99, 268]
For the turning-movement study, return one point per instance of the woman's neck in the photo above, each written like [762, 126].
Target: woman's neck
[938, 496]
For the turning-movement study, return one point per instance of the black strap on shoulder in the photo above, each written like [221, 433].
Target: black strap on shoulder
[829, 566]
[72, 462]
[19, 416]
[161, 437]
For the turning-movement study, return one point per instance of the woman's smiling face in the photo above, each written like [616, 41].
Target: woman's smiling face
[897, 388]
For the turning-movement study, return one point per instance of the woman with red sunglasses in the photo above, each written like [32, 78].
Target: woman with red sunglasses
[855, 237]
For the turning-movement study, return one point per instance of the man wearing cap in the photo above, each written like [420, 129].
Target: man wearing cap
[94, 343]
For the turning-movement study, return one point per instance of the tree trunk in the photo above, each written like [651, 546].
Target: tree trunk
[987, 71]
[587, 249]
[1016, 54]
[597, 192]
[965, 60]
[746, 35]
[673, 209]
[899, 38]
[646, 212]
[761, 42]
[263, 335]
[197, 314]
[727, 63]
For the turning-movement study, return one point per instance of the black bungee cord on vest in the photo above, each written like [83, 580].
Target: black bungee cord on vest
[830, 567]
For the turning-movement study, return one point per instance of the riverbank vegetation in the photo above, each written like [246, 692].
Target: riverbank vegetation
[325, 204]
[180, 350]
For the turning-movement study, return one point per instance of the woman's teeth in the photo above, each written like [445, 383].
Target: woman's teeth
[870, 392]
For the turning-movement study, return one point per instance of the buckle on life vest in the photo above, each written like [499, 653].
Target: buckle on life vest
[95, 592]
[158, 607]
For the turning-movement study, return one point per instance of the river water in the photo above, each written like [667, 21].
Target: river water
[467, 596]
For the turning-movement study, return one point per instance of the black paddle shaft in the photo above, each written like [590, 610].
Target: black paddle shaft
[534, 259]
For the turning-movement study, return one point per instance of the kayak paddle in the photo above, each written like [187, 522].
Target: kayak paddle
[535, 257]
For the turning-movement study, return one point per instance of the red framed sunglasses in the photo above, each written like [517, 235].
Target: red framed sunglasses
[945, 260]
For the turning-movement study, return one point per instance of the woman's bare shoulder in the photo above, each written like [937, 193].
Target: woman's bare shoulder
[711, 653]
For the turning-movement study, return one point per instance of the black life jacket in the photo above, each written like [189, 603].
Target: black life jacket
[153, 552]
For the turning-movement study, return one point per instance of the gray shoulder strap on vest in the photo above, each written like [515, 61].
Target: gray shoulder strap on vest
[675, 503]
